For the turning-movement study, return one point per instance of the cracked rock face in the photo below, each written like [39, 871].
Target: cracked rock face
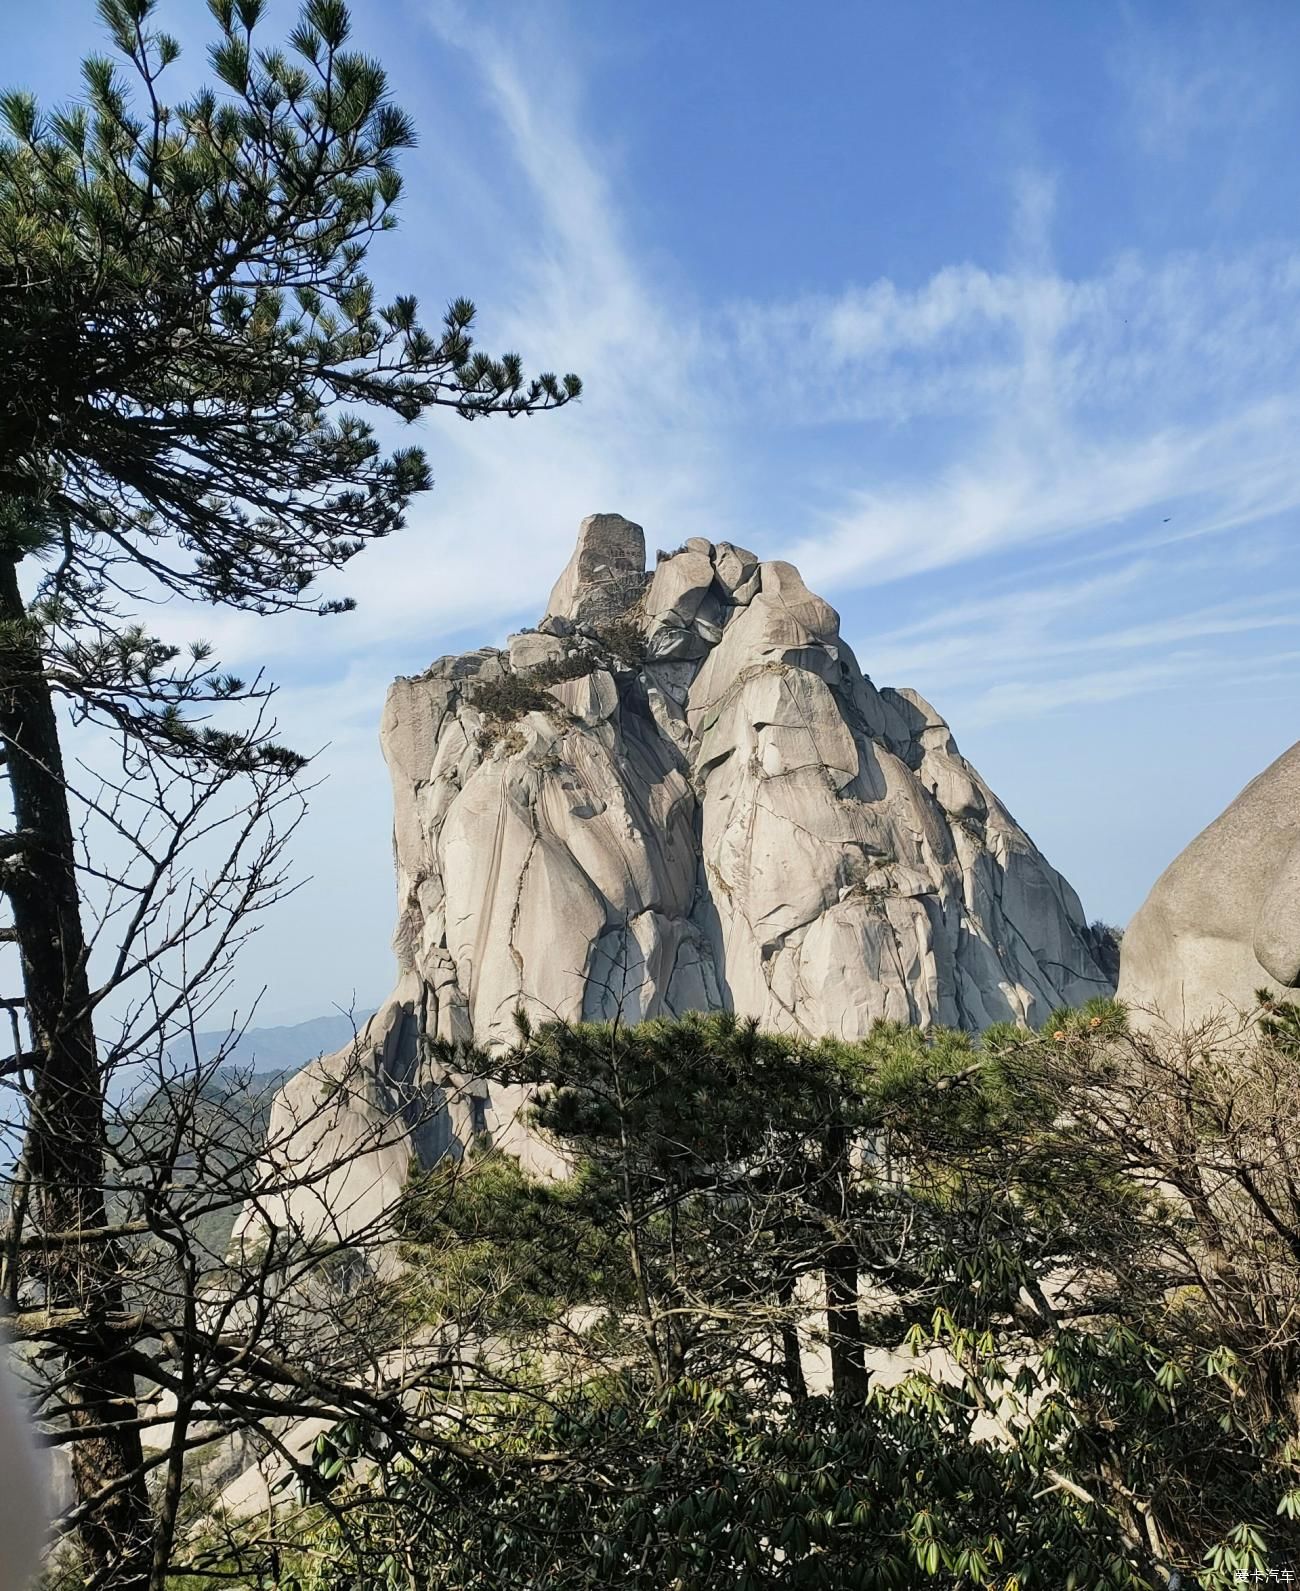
[736, 818]
[1223, 919]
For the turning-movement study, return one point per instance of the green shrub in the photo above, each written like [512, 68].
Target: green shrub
[625, 640]
[559, 669]
[505, 700]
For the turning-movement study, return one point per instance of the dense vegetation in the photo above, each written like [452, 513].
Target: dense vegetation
[913, 1311]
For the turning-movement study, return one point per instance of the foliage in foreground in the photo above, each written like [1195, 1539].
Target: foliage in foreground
[1081, 1243]
[196, 371]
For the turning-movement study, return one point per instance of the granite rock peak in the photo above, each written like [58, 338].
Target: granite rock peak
[680, 792]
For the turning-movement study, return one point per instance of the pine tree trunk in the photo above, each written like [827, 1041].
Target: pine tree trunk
[843, 1321]
[791, 1357]
[64, 1151]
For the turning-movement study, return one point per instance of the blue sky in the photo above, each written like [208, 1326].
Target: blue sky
[987, 317]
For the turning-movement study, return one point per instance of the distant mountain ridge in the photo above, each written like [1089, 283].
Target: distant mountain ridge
[283, 1049]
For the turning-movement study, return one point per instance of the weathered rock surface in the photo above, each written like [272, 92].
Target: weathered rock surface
[1223, 919]
[606, 573]
[737, 819]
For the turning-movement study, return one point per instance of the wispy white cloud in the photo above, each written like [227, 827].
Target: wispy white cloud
[1047, 407]
[1023, 701]
[1165, 332]
[490, 539]
[1071, 405]
[1210, 77]
[1017, 486]
[1056, 630]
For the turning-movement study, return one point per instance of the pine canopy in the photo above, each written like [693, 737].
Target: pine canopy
[189, 341]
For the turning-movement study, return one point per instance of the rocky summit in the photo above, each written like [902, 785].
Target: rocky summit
[680, 792]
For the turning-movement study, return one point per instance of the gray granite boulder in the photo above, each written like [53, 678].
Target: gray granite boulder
[605, 574]
[1223, 919]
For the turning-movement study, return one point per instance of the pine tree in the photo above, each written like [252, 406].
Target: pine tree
[189, 344]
